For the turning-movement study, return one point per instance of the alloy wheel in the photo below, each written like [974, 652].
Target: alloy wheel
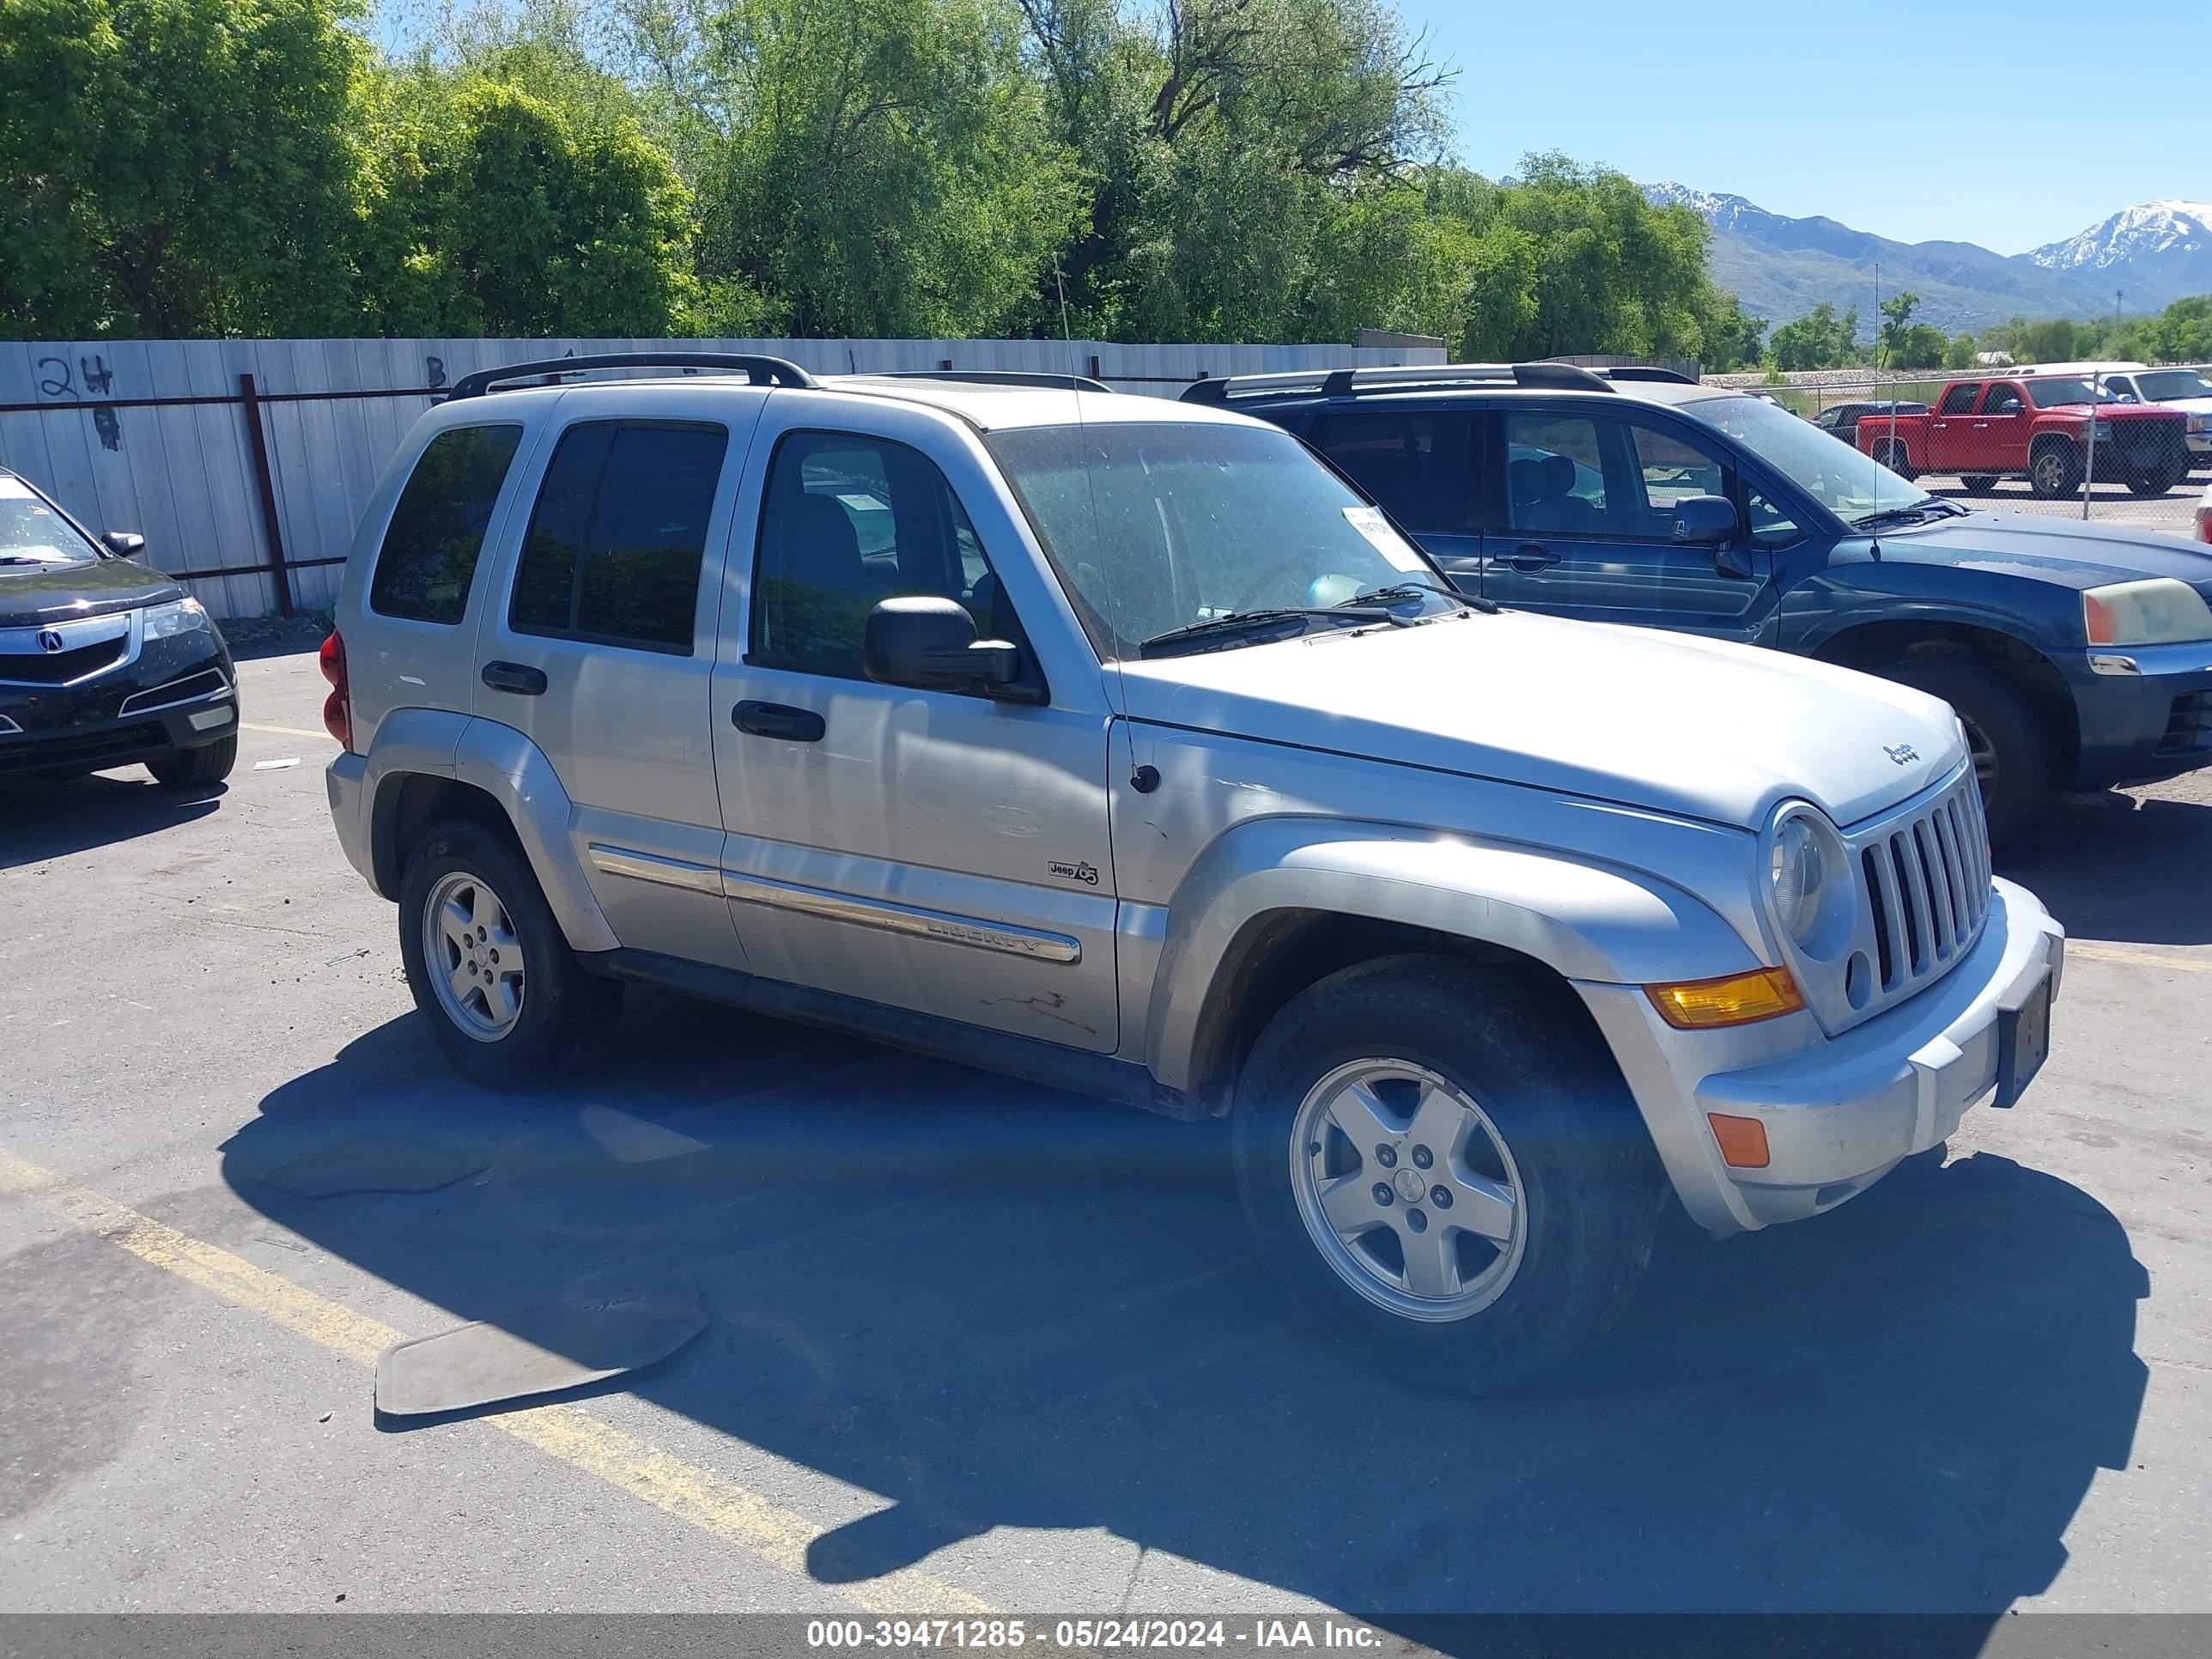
[1408, 1189]
[472, 955]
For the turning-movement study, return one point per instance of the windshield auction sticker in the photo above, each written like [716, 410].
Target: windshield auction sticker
[1370, 522]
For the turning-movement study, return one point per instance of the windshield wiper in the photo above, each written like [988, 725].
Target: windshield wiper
[1913, 513]
[1239, 622]
[1412, 587]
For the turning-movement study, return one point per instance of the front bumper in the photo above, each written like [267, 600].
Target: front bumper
[180, 693]
[1840, 1112]
[2145, 711]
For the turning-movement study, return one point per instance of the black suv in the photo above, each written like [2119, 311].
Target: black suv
[2076, 655]
[103, 661]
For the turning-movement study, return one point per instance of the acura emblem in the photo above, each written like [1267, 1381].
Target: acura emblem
[50, 639]
[1903, 754]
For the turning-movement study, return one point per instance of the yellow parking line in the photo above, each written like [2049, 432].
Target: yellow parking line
[284, 730]
[775, 1535]
[2076, 950]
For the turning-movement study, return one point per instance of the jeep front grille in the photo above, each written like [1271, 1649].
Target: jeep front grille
[1927, 884]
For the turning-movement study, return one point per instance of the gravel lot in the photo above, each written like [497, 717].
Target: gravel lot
[972, 1344]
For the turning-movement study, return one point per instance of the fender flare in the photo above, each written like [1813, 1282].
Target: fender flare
[1585, 920]
[514, 772]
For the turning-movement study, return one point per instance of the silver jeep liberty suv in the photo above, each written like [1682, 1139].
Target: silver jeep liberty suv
[1119, 744]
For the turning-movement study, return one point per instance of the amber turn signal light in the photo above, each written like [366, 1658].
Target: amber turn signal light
[1743, 1140]
[1737, 1000]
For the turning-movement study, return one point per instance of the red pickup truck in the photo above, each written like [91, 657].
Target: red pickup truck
[2038, 428]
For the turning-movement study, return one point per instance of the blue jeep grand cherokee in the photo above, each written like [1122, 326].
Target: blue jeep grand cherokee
[2077, 656]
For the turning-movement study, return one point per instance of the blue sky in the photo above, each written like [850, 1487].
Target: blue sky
[1943, 118]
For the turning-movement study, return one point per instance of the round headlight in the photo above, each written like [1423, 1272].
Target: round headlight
[1799, 874]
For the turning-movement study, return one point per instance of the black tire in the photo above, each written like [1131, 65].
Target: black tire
[2013, 751]
[1981, 483]
[1897, 458]
[1592, 1185]
[196, 768]
[562, 1007]
[2160, 481]
[2054, 469]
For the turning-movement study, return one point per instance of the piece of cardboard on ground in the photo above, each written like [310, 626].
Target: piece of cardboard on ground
[378, 1160]
[628, 1140]
[537, 1351]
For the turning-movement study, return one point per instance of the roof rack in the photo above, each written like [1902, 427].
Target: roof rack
[762, 371]
[1343, 382]
[995, 377]
[1646, 372]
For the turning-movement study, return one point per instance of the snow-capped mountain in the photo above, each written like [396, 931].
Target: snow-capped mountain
[1781, 266]
[2165, 248]
[2155, 228]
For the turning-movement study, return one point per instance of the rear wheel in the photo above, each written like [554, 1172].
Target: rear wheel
[1981, 483]
[2011, 749]
[196, 768]
[506, 998]
[2055, 469]
[1447, 1169]
[1897, 458]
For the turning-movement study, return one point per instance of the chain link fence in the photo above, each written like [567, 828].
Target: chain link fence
[2115, 444]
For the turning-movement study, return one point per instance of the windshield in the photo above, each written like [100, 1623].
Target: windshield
[2057, 393]
[1851, 485]
[2164, 385]
[32, 533]
[1153, 527]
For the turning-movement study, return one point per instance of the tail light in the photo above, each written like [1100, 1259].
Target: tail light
[338, 708]
[2204, 519]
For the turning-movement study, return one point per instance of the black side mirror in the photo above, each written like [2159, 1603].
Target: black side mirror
[125, 544]
[1707, 521]
[931, 644]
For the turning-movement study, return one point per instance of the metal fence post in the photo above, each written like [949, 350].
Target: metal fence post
[280, 573]
[2089, 466]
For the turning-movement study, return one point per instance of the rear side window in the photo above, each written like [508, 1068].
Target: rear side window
[1416, 465]
[618, 534]
[430, 547]
[1960, 399]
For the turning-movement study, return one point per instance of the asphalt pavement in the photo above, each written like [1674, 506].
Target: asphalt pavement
[971, 1344]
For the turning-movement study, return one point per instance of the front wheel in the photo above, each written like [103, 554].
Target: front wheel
[196, 768]
[489, 968]
[1447, 1168]
[2011, 751]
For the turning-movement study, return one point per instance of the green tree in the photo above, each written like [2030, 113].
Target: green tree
[1819, 339]
[496, 212]
[1242, 162]
[1569, 259]
[1896, 326]
[863, 166]
[178, 166]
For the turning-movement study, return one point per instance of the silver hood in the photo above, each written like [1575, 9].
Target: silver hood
[1669, 721]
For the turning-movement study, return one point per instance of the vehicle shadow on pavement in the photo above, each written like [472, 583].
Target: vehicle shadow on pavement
[999, 1306]
[2124, 867]
[42, 820]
